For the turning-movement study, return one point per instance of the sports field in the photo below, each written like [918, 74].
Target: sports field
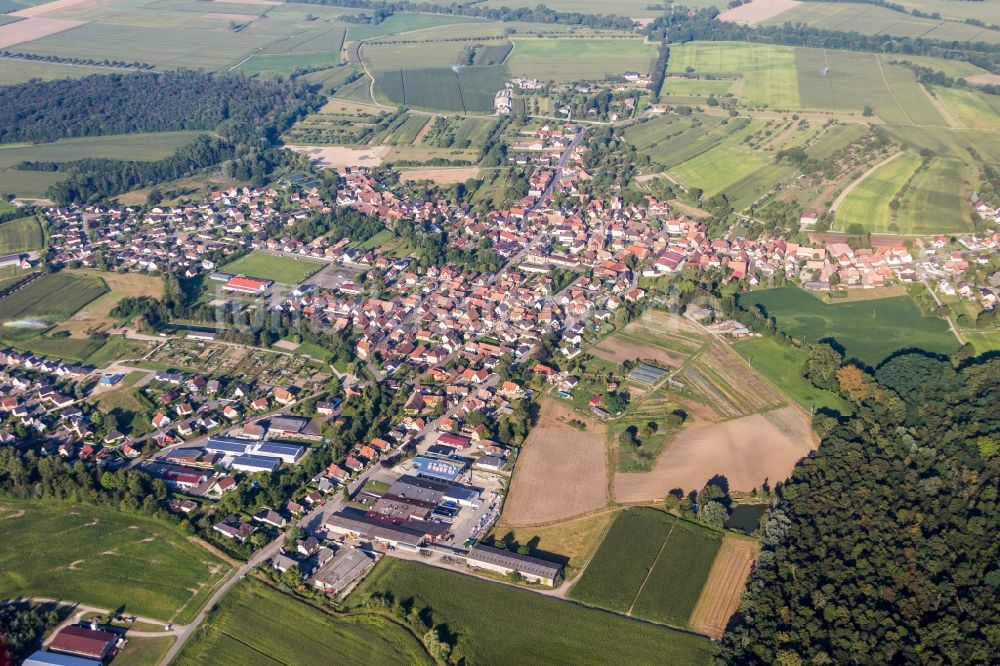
[20, 235]
[568, 59]
[256, 624]
[286, 270]
[493, 622]
[46, 301]
[103, 557]
[868, 330]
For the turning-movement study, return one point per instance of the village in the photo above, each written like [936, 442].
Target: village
[459, 345]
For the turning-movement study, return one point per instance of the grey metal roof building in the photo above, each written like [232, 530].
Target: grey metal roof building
[41, 658]
[502, 561]
[256, 463]
[355, 522]
[290, 453]
[647, 374]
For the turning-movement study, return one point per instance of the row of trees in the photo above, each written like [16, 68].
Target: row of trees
[537, 14]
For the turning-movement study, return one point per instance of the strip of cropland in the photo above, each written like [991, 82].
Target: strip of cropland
[536, 628]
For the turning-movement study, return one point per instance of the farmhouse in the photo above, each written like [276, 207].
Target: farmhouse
[505, 562]
[88, 642]
[246, 285]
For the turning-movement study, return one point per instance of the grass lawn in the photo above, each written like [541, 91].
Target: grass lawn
[117, 347]
[983, 341]
[621, 563]
[868, 330]
[782, 364]
[256, 624]
[286, 270]
[20, 236]
[494, 621]
[144, 651]
[103, 557]
[571, 541]
[674, 584]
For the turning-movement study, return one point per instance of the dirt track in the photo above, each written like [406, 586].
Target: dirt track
[720, 596]
[561, 472]
[747, 451]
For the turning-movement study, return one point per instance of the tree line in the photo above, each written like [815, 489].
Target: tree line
[538, 14]
[704, 24]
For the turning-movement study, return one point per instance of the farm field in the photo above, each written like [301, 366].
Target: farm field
[96, 315]
[720, 596]
[568, 59]
[616, 573]
[873, 20]
[868, 203]
[19, 71]
[868, 331]
[783, 364]
[149, 146]
[748, 451]
[46, 301]
[561, 472]
[678, 575]
[469, 607]
[285, 270]
[465, 89]
[21, 235]
[768, 71]
[958, 11]
[256, 624]
[105, 558]
[970, 110]
[934, 202]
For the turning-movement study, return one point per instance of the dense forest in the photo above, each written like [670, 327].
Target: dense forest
[22, 626]
[246, 115]
[143, 102]
[883, 548]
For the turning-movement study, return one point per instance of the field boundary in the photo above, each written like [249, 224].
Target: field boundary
[652, 566]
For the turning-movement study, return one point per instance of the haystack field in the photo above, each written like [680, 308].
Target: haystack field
[747, 451]
[561, 472]
[720, 596]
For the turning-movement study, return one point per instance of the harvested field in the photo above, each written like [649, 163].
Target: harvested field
[31, 29]
[617, 350]
[225, 17]
[561, 472]
[48, 7]
[721, 594]
[985, 79]
[747, 451]
[572, 541]
[757, 11]
[337, 156]
[442, 176]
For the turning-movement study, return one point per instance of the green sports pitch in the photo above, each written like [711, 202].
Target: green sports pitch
[285, 270]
